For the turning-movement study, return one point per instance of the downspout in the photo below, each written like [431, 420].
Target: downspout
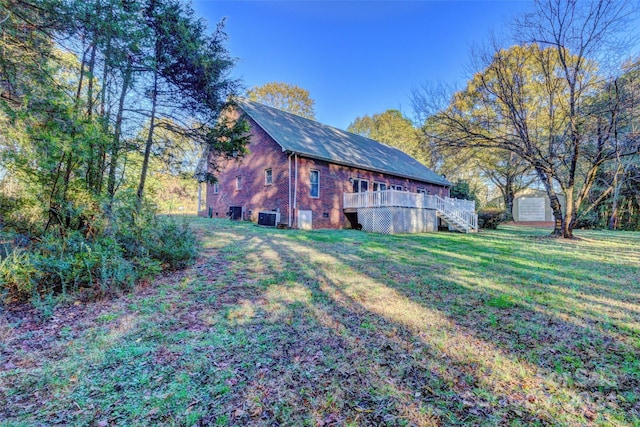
[295, 187]
[289, 161]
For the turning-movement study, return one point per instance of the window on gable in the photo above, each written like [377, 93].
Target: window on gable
[268, 177]
[314, 178]
[238, 182]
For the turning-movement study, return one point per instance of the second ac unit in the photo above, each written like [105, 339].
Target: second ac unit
[268, 219]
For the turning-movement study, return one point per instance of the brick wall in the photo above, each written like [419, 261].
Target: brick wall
[334, 181]
[255, 196]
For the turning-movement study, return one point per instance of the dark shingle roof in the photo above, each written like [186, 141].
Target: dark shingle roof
[318, 141]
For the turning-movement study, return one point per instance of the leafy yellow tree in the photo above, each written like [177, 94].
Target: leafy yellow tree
[286, 97]
[536, 100]
[393, 128]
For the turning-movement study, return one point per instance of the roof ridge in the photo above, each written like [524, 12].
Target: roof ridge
[311, 138]
[320, 123]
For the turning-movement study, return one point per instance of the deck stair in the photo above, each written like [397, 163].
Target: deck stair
[459, 214]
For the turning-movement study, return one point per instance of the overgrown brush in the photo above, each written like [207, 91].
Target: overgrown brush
[63, 265]
[173, 244]
[56, 263]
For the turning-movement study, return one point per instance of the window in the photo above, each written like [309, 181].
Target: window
[422, 190]
[379, 186]
[216, 188]
[396, 187]
[314, 178]
[360, 185]
[268, 177]
[238, 182]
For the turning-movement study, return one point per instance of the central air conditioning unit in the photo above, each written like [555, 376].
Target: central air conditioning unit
[268, 219]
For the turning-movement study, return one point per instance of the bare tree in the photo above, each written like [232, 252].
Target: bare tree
[508, 172]
[536, 100]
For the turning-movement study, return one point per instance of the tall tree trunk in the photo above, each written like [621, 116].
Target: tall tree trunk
[115, 146]
[91, 176]
[102, 149]
[508, 203]
[569, 214]
[617, 183]
[508, 199]
[65, 190]
[149, 142]
[81, 77]
[556, 208]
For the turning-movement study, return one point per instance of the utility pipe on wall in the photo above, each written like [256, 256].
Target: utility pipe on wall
[289, 162]
[295, 188]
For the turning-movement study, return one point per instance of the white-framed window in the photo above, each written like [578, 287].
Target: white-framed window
[268, 176]
[314, 181]
[360, 185]
[396, 187]
[379, 186]
[239, 182]
[216, 188]
[422, 190]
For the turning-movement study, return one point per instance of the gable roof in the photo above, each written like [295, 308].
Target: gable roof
[296, 134]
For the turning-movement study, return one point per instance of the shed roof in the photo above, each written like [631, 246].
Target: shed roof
[296, 134]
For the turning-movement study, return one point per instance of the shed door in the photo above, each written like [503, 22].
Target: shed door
[531, 209]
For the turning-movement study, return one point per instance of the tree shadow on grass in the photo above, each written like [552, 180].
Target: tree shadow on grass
[330, 357]
[360, 317]
[581, 357]
[290, 328]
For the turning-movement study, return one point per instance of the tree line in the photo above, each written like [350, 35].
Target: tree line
[91, 89]
[93, 96]
[552, 108]
[557, 108]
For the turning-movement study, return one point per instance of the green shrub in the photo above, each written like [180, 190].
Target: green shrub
[58, 265]
[102, 257]
[148, 238]
[490, 218]
[173, 244]
[19, 275]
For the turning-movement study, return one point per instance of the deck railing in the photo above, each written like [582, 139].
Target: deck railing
[403, 199]
[461, 211]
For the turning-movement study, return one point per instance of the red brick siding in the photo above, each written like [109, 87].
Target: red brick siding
[334, 181]
[255, 196]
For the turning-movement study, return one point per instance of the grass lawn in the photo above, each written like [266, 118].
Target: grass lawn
[283, 327]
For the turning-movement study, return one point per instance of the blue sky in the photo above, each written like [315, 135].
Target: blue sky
[359, 57]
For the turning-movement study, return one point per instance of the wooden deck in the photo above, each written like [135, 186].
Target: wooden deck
[460, 214]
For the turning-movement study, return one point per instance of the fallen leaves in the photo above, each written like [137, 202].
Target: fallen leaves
[245, 339]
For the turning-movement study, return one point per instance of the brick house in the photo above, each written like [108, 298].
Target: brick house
[304, 172]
